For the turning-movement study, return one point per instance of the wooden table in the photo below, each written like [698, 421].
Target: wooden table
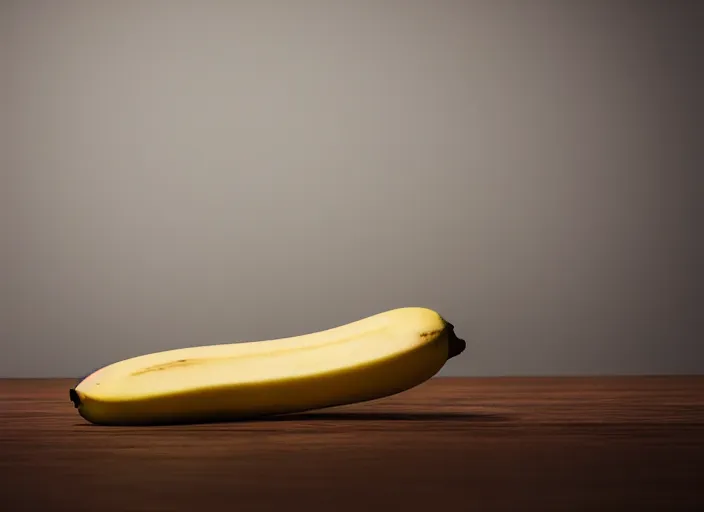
[474, 444]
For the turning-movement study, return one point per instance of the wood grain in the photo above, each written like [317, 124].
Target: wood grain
[629, 443]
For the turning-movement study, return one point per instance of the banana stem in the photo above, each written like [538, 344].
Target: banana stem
[456, 345]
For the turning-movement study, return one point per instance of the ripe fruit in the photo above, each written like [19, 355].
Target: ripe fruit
[368, 359]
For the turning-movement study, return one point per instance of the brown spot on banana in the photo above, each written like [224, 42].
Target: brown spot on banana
[171, 364]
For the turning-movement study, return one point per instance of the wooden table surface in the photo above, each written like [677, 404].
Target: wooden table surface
[474, 444]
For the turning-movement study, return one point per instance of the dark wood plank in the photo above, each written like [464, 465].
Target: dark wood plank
[630, 443]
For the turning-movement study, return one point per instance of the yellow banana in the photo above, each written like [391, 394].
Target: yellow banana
[368, 359]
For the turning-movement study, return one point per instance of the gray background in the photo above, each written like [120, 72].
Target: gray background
[185, 173]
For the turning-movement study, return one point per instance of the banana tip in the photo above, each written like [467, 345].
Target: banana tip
[73, 395]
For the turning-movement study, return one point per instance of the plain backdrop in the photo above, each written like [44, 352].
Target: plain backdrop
[185, 173]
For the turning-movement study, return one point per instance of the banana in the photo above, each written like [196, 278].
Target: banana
[371, 358]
